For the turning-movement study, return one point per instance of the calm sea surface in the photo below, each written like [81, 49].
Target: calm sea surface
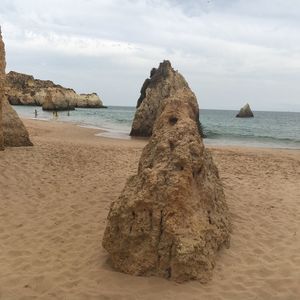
[266, 129]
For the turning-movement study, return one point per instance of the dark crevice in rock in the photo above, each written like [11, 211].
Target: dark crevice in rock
[179, 166]
[209, 218]
[173, 120]
[172, 145]
[161, 230]
[151, 219]
[197, 172]
[169, 272]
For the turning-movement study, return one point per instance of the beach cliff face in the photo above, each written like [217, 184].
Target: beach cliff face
[2, 79]
[56, 99]
[163, 83]
[15, 133]
[172, 217]
[12, 130]
[23, 89]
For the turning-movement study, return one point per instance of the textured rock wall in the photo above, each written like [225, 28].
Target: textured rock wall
[12, 130]
[2, 79]
[171, 218]
[163, 83]
[23, 89]
[56, 100]
[15, 133]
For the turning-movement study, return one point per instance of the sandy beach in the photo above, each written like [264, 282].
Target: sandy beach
[55, 196]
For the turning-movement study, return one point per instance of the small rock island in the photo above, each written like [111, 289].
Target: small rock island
[245, 112]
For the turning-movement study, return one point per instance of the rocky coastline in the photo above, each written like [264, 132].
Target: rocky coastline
[23, 89]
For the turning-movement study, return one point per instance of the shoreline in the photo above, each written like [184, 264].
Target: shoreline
[222, 129]
[109, 134]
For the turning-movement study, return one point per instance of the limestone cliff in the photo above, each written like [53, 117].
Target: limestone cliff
[56, 100]
[89, 101]
[23, 89]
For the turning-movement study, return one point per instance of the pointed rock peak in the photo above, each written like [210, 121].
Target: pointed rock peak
[171, 218]
[163, 83]
[163, 70]
[245, 112]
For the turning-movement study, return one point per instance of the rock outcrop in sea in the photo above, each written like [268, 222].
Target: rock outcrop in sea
[89, 101]
[171, 218]
[12, 130]
[162, 84]
[23, 89]
[2, 82]
[245, 112]
[56, 100]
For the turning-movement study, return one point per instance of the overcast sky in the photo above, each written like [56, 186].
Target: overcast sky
[230, 51]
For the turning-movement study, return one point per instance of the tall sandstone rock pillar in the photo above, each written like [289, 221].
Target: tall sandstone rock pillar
[162, 84]
[2, 80]
[12, 130]
[171, 218]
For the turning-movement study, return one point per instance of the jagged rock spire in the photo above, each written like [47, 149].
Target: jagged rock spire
[162, 84]
[171, 218]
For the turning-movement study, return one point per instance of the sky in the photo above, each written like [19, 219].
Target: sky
[230, 51]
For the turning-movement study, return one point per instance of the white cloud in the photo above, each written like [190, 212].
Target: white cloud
[249, 47]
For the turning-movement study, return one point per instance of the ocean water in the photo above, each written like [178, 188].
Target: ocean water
[266, 129]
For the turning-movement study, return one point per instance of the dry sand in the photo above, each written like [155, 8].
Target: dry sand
[54, 198]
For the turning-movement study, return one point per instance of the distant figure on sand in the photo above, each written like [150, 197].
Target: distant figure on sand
[35, 113]
[55, 114]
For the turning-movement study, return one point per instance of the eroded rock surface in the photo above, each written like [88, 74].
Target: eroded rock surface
[89, 101]
[12, 130]
[245, 112]
[56, 100]
[163, 83]
[171, 218]
[2, 79]
[15, 133]
[23, 89]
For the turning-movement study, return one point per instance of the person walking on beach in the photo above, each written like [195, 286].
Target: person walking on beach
[55, 114]
[35, 113]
